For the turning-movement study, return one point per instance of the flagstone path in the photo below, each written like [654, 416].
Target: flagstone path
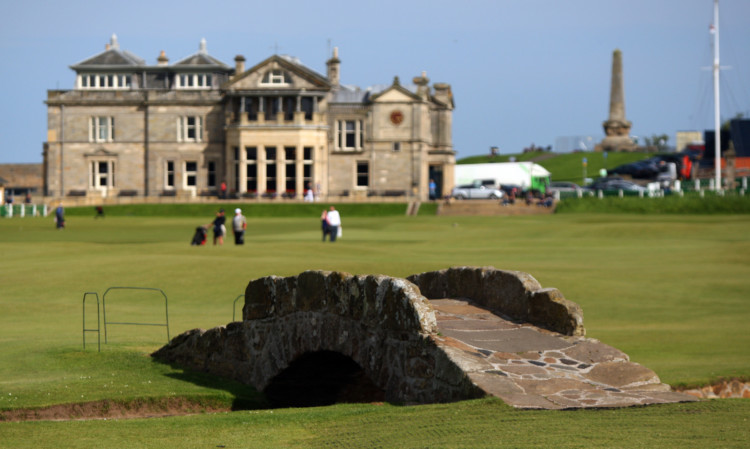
[529, 367]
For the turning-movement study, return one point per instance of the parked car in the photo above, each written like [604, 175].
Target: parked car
[470, 191]
[648, 168]
[614, 183]
[564, 186]
[645, 169]
[601, 183]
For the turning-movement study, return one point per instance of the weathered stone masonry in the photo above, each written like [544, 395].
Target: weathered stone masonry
[513, 294]
[384, 324]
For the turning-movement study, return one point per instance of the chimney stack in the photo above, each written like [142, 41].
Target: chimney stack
[239, 65]
[162, 60]
[334, 75]
[423, 88]
[443, 93]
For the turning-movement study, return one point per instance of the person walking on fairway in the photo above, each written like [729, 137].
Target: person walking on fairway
[324, 223]
[219, 228]
[60, 217]
[334, 223]
[239, 224]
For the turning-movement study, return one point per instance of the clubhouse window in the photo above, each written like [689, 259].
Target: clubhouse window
[169, 175]
[194, 81]
[211, 174]
[307, 166]
[101, 129]
[104, 81]
[190, 129]
[277, 77]
[102, 174]
[363, 174]
[349, 135]
[190, 174]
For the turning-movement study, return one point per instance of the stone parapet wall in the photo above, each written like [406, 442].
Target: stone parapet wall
[376, 301]
[513, 294]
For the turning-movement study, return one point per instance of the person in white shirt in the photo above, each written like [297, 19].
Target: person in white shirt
[334, 223]
[239, 224]
[309, 195]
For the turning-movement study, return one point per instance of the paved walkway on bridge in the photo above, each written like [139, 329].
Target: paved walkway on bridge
[529, 367]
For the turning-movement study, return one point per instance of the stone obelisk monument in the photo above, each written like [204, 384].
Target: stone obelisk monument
[617, 127]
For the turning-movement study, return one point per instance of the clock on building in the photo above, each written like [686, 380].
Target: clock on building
[397, 117]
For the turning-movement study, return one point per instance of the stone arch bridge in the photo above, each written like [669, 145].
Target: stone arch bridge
[460, 333]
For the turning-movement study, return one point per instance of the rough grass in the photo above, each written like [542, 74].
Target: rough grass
[671, 291]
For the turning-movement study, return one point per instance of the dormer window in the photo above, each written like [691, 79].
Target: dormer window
[194, 81]
[276, 77]
[104, 81]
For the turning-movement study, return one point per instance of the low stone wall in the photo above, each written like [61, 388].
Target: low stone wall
[513, 294]
[725, 389]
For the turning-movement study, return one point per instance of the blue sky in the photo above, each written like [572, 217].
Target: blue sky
[522, 71]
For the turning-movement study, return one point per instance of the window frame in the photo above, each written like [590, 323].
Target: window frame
[251, 169]
[194, 81]
[99, 123]
[211, 173]
[96, 175]
[276, 77]
[271, 169]
[189, 175]
[308, 167]
[358, 174]
[105, 81]
[184, 128]
[169, 173]
[344, 134]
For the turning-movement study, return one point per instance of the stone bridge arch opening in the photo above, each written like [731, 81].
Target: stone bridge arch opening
[321, 378]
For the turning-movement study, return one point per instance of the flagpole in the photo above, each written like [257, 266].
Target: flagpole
[717, 110]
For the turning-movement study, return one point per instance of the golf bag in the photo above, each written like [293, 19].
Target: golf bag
[200, 236]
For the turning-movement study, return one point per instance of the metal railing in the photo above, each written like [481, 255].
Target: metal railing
[98, 322]
[104, 310]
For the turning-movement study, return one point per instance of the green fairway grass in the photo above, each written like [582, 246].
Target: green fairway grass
[486, 423]
[669, 290]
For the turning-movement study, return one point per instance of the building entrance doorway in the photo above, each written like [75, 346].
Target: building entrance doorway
[436, 175]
